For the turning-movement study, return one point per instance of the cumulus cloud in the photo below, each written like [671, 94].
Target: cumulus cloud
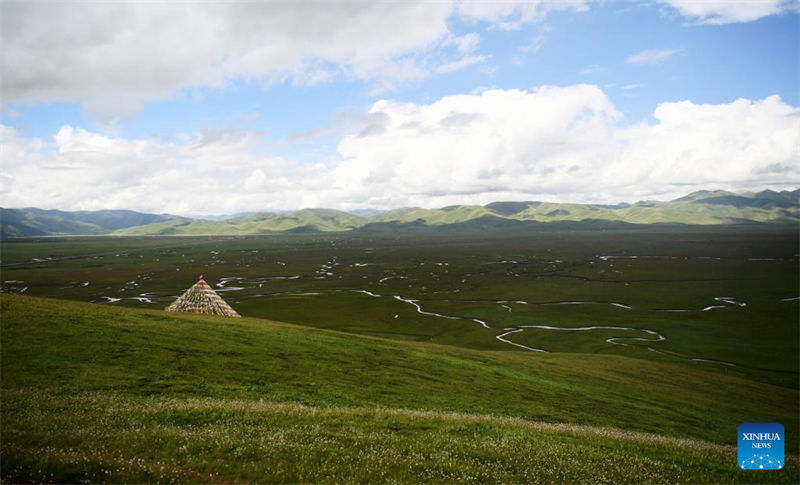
[552, 143]
[205, 173]
[111, 57]
[737, 146]
[727, 11]
[651, 56]
[471, 147]
[567, 143]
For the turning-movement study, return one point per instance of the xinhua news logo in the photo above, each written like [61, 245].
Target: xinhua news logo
[761, 446]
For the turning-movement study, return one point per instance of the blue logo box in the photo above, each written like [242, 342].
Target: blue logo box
[761, 446]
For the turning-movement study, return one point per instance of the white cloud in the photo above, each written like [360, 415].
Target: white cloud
[553, 143]
[593, 69]
[739, 145]
[533, 46]
[631, 87]
[466, 43]
[727, 11]
[470, 147]
[206, 173]
[111, 57]
[651, 56]
[461, 63]
[509, 15]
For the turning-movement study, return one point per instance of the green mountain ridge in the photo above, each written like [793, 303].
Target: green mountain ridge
[701, 207]
[31, 221]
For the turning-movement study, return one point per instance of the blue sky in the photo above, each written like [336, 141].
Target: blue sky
[290, 115]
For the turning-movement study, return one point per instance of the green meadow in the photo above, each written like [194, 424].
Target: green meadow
[401, 358]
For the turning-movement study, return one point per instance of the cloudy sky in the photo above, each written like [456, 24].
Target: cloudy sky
[217, 107]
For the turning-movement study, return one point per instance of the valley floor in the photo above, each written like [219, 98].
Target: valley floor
[554, 355]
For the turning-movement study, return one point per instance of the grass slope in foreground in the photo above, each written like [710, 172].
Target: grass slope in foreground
[100, 394]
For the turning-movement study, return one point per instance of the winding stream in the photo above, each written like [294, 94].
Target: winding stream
[618, 305]
[416, 305]
[511, 330]
[656, 337]
[650, 336]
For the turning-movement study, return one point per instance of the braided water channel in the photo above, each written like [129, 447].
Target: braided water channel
[653, 336]
[649, 336]
[645, 340]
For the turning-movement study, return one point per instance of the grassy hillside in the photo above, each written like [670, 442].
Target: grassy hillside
[698, 208]
[37, 222]
[101, 393]
[702, 207]
[302, 220]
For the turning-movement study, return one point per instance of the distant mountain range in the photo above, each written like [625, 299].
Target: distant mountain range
[39, 222]
[703, 207]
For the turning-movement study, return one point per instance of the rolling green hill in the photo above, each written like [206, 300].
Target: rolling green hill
[98, 393]
[39, 222]
[698, 208]
[298, 221]
[704, 207]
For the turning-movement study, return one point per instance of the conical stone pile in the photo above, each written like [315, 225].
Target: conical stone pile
[201, 298]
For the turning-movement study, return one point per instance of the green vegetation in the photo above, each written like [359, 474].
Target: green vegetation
[364, 386]
[506, 279]
[702, 207]
[298, 221]
[38, 222]
[113, 394]
[698, 208]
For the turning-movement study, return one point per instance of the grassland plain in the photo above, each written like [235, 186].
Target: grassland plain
[104, 394]
[662, 278]
[423, 313]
